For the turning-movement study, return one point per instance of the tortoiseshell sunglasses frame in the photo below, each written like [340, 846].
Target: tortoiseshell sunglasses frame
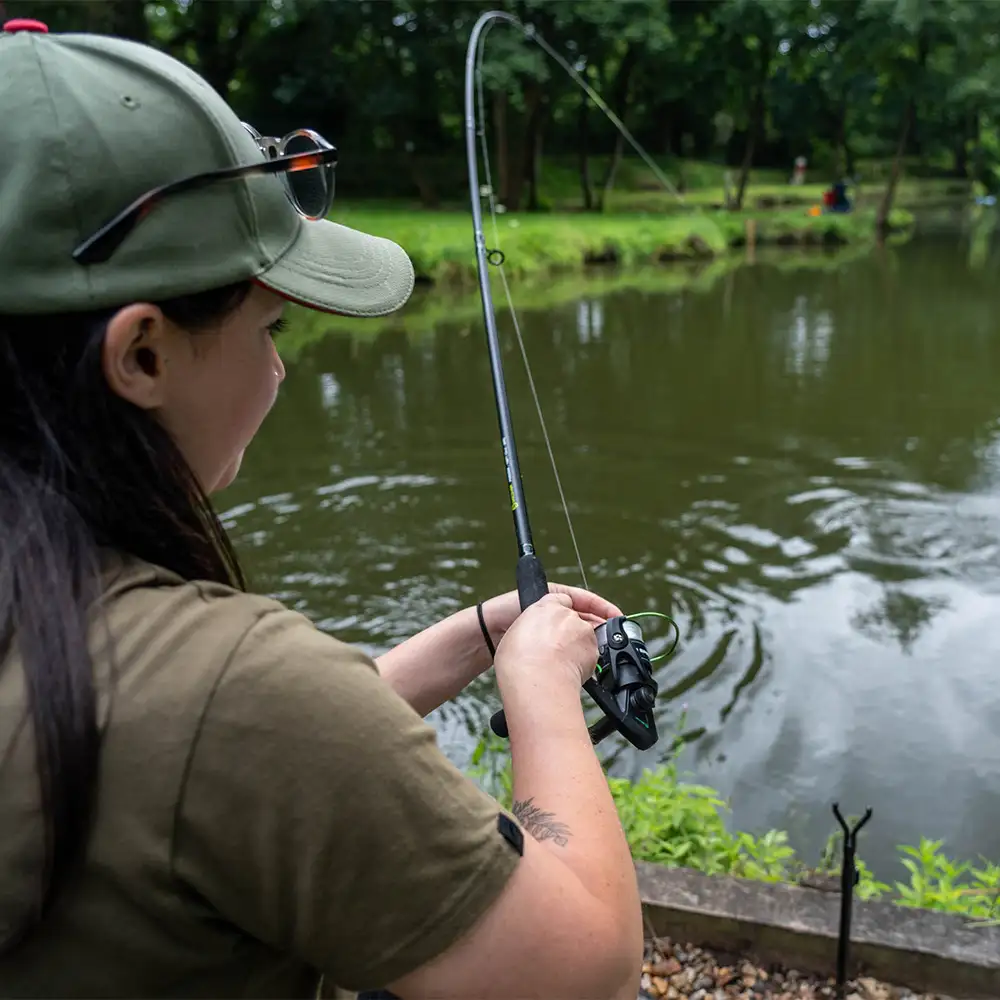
[100, 247]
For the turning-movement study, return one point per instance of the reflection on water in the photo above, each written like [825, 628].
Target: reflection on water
[802, 466]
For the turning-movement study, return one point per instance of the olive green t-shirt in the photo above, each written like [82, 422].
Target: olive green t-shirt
[269, 812]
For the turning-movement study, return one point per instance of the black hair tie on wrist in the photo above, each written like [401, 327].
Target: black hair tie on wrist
[486, 631]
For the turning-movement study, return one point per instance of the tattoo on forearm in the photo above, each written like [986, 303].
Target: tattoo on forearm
[540, 824]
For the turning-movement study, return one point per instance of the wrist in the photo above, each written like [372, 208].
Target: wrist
[545, 676]
[491, 627]
[541, 702]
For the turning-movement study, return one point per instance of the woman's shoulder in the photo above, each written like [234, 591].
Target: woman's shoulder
[126, 579]
[175, 635]
[139, 598]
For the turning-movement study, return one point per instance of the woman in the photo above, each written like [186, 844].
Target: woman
[201, 793]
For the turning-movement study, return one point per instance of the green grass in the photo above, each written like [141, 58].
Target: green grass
[441, 245]
[675, 823]
[637, 188]
[642, 222]
[701, 185]
[911, 193]
[442, 248]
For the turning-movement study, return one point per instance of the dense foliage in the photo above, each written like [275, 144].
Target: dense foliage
[853, 85]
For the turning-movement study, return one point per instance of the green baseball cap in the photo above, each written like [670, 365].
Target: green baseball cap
[92, 124]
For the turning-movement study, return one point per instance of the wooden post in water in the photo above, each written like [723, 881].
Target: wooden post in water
[751, 235]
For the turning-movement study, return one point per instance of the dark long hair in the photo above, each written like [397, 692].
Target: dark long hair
[82, 469]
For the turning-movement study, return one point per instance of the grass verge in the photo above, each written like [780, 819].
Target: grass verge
[442, 249]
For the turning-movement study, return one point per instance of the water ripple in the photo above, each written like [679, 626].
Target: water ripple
[810, 490]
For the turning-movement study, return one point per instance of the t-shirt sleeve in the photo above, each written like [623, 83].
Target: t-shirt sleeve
[319, 814]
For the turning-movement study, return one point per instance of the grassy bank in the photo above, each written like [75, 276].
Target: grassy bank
[675, 823]
[442, 249]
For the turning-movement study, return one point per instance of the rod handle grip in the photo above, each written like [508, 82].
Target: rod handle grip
[532, 586]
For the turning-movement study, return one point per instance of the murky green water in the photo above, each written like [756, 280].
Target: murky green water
[801, 463]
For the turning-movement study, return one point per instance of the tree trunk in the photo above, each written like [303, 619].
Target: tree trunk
[977, 170]
[502, 179]
[961, 168]
[518, 151]
[841, 144]
[756, 119]
[620, 93]
[967, 135]
[885, 208]
[608, 183]
[533, 151]
[906, 127]
[845, 155]
[429, 197]
[584, 128]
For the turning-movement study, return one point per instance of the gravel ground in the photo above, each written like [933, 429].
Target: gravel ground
[683, 972]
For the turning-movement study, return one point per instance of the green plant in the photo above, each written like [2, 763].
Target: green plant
[937, 883]
[769, 858]
[677, 823]
[490, 766]
[867, 887]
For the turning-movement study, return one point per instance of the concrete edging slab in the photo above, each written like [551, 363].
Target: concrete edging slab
[798, 928]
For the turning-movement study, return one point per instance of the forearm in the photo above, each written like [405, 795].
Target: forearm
[561, 793]
[438, 663]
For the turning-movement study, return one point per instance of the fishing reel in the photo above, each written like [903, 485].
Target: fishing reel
[623, 685]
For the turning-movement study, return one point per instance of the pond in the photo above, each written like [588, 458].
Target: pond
[798, 458]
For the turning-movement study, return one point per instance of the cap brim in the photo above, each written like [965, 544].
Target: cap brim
[335, 269]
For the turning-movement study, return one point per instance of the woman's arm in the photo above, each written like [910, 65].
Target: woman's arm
[437, 664]
[568, 925]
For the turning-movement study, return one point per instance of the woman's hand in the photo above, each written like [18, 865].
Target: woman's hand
[549, 634]
[435, 665]
[501, 611]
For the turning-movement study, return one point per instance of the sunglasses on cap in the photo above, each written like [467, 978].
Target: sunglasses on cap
[304, 159]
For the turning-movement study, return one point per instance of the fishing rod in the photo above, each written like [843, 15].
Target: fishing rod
[622, 685]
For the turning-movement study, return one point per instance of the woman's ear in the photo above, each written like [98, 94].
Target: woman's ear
[136, 355]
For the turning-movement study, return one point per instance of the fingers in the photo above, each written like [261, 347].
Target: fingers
[558, 597]
[586, 602]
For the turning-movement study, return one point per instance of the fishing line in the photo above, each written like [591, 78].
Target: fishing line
[497, 257]
[497, 260]
[599, 101]
[623, 685]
